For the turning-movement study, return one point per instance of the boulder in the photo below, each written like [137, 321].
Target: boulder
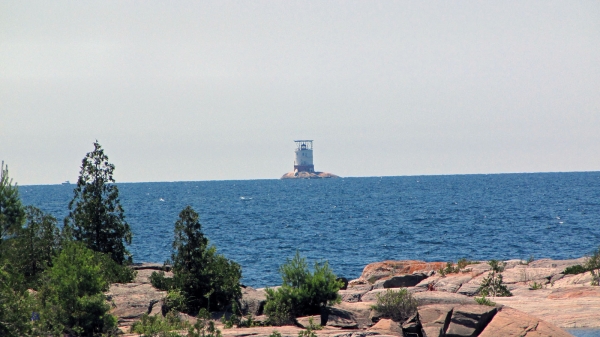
[469, 320]
[252, 301]
[388, 327]
[435, 318]
[386, 269]
[350, 315]
[401, 281]
[510, 322]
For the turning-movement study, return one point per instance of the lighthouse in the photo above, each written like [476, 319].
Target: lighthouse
[303, 161]
[304, 167]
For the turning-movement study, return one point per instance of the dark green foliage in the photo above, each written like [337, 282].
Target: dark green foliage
[484, 301]
[492, 284]
[96, 217]
[112, 271]
[396, 304]
[12, 213]
[72, 295]
[592, 264]
[275, 333]
[535, 286]
[37, 243]
[204, 326]
[152, 326]
[160, 282]
[302, 292]
[205, 278]
[16, 305]
[576, 269]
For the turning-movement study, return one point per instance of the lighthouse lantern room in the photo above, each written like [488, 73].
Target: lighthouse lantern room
[304, 156]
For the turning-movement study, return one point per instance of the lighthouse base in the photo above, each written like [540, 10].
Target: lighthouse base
[308, 175]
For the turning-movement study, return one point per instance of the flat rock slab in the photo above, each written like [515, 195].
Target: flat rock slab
[509, 322]
[441, 297]
[352, 295]
[564, 307]
[131, 300]
[469, 320]
[451, 283]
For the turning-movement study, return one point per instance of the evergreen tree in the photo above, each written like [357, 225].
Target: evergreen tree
[37, 244]
[96, 216]
[12, 213]
[206, 279]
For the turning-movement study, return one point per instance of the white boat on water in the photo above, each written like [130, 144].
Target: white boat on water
[66, 183]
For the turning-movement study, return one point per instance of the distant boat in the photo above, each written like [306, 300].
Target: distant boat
[66, 183]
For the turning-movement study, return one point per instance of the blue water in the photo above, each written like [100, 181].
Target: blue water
[354, 221]
[584, 332]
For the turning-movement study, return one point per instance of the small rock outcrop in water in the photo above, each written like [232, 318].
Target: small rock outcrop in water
[308, 175]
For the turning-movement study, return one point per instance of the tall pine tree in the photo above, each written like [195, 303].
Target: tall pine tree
[96, 216]
[12, 212]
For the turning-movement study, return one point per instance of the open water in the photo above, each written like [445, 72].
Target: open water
[354, 221]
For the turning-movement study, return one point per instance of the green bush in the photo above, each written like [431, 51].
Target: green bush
[152, 326]
[175, 300]
[204, 326]
[205, 278]
[535, 286]
[484, 301]
[73, 296]
[592, 264]
[16, 305]
[492, 284]
[398, 305]
[303, 292]
[159, 281]
[576, 269]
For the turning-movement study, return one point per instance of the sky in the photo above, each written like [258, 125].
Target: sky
[218, 90]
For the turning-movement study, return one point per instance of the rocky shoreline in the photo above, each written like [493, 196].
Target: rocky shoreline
[545, 301]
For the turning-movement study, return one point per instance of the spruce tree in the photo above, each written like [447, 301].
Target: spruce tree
[206, 279]
[96, 216]
[12, 213]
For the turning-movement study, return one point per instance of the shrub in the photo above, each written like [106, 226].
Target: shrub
[204, 326]
[535, 286]
[37, 243]
[275, 333]
[302, 292]
[16, 305]
[592, 264]
[151, 326]
[492, 284]
[576, 269]
[72, 294]
[463, 262]
[175, 300]
[484, 301]
[398, 305]
[159, 281]
[205, 278]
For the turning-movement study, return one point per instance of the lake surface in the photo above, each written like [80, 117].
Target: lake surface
[355, 221]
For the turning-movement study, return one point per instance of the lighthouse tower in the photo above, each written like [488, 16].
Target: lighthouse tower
[303, 161]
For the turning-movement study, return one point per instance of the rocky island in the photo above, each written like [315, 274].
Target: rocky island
[544, 301]
[303, 163]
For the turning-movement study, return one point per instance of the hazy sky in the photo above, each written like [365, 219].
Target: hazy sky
[177, 90]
